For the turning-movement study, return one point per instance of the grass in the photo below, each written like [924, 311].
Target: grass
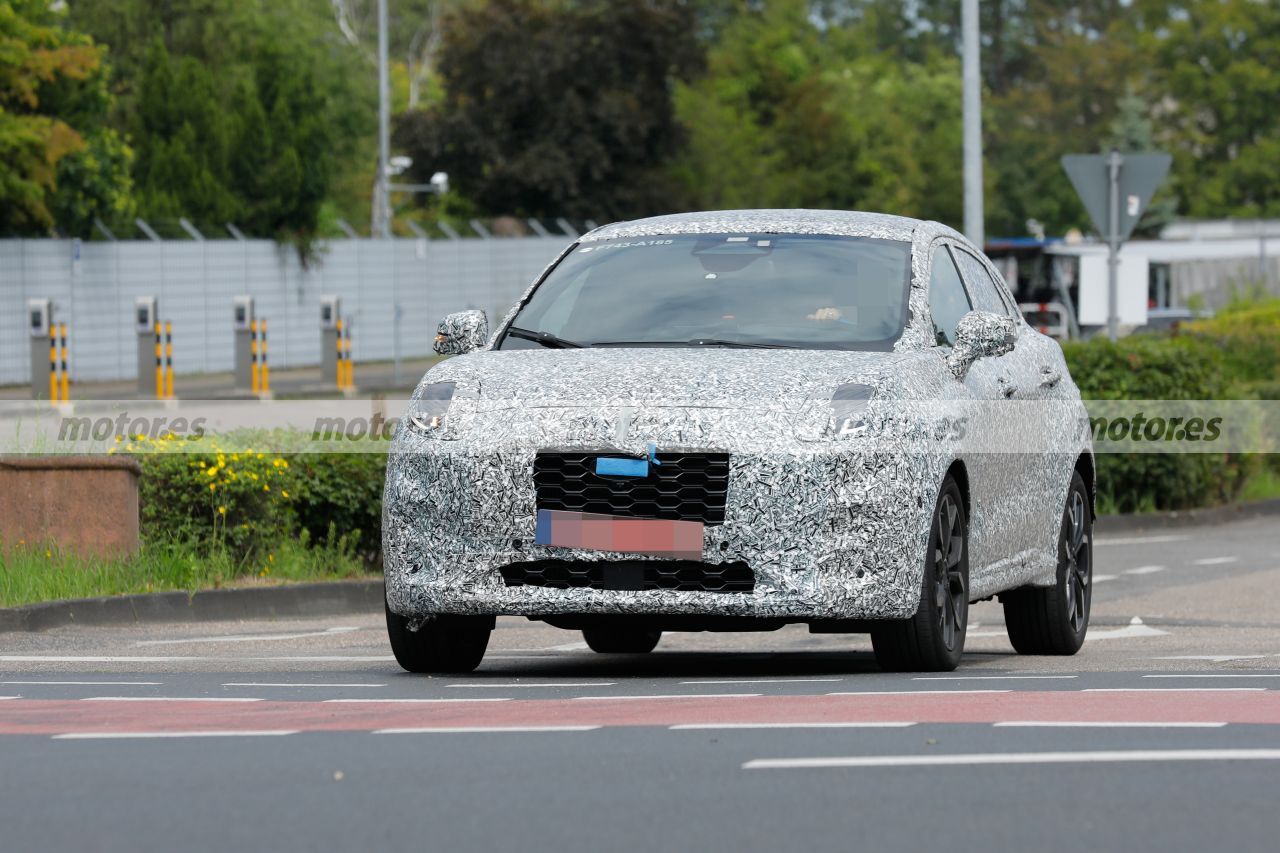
[29, 575]
[1262, 485]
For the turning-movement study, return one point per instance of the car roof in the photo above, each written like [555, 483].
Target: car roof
[844, 223]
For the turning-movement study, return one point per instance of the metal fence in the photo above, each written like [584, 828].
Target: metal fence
[94, 285]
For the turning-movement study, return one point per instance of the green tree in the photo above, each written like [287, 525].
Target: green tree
[57, 167]
[557, 108]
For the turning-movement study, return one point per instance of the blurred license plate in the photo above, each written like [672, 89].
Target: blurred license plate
[593, 531]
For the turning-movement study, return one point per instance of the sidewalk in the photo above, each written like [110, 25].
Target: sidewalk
[372, 378]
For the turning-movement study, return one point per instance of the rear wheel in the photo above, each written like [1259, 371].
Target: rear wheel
[621, 641]
[933, 639]
[446, 644]
[1053, 620]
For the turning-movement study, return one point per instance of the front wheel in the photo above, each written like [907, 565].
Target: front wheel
[1053, 620]
[933, 639]
[446, 644]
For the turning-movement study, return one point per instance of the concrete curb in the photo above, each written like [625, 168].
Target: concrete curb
[304, 599]
[1187, 517]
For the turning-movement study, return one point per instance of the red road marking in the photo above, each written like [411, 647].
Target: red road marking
[26, 716]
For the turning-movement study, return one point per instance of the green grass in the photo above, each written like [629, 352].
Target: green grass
[29, 575]
[1262, 485]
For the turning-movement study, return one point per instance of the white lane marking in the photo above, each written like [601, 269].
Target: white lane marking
[1214, 561]
[1137, 540]
[1104, 578]
[1143, 570]
[969, 634]
[544, 684]
[762, 680]
[1174, 689]
[2, 698]
[468, 730]
[1135, 628]
[132, 735]
[669, 696]
[171, 699]
[93, 683]
[912, 692]
[190, 658]
[1217, 675]
[1089, 757]
[985, 677]
[1214, 658]
[247, 638]
[1089, 724]
[894, 724]
[291, 684]
[579, 646]
[416, 701]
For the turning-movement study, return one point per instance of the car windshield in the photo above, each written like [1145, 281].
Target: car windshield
[751, 290]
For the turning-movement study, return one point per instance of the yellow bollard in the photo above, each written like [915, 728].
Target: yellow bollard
[66, 375]
[53, 365]
[266, 366]
[341, 372]
[255, 385]
[168, 360]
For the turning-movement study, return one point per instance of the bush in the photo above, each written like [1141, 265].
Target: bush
[1247, 333]
[221, 495]
[1155, 367]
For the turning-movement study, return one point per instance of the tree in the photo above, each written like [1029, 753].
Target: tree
[557, 109]
[56, 166]
[1218, 64]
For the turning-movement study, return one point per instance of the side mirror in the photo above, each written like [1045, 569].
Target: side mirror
[462, 332]
[980, 334]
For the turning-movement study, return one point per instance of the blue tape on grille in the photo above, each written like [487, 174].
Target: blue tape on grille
[610, 466]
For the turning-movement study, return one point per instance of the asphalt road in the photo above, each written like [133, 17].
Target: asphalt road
[1163, 733]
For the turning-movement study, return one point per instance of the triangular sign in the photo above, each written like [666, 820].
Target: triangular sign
[1140, 177]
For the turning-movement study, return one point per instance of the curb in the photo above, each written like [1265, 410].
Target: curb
[304, 599]
[1186, 517]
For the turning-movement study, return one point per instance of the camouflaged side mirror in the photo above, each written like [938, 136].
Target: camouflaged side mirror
[980, 334]
[462, 332]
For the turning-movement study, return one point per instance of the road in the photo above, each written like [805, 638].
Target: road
[1163, 733]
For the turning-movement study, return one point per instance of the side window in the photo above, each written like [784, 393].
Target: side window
[986, 297]
[947, 300]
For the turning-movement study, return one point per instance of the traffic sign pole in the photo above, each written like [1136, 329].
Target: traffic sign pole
[1114, 161]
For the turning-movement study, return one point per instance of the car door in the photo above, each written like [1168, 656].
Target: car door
[990, 498]
[1019, 408]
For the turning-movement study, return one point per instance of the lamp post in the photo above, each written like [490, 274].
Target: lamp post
[974, 227]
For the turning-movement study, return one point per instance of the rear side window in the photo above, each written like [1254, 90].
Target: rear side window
[986, 295]
[947, 300]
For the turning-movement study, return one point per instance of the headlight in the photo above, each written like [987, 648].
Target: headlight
[848, 405]
[429, 411]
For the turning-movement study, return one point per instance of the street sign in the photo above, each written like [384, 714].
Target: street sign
[1140, 177]
[1115, 188]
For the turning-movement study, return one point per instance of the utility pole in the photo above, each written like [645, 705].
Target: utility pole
[974, 227]
[1114, 161]
[381, 192]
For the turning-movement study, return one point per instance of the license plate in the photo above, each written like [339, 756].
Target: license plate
[591, 531]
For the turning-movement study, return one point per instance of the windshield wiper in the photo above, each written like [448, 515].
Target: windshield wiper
[695, 342]
[545, 338]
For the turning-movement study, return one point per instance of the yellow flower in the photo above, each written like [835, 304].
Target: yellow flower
[48, 553]
[209, 472]
[265, 487]
[271, 558]
[222, 510]
[284, 492]
[259, 455]
[201, 463]
[213, 487]
[119, 438]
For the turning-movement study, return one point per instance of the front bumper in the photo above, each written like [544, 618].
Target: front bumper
[829, 534]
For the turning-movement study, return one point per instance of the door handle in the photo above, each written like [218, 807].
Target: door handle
[1049, 377]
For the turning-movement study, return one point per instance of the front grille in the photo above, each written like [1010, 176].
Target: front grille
[684, 487]
[676, 575]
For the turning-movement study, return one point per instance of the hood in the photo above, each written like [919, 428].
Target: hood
[714, 377]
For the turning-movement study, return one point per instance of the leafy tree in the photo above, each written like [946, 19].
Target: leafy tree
[56, 165]
[557, 108]
[1217, 62]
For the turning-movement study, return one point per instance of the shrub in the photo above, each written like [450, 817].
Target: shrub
[342, 493]
[1156, 367]
[1247, 333]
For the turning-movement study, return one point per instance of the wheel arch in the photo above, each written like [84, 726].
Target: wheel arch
[1086, 466]
[960, 474]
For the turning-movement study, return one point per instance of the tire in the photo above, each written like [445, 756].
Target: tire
[446, 644]
[933, 639]
[1054, 620]
[621, 641]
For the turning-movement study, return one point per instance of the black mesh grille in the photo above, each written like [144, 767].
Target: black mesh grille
[684, 487]
[678, 575]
